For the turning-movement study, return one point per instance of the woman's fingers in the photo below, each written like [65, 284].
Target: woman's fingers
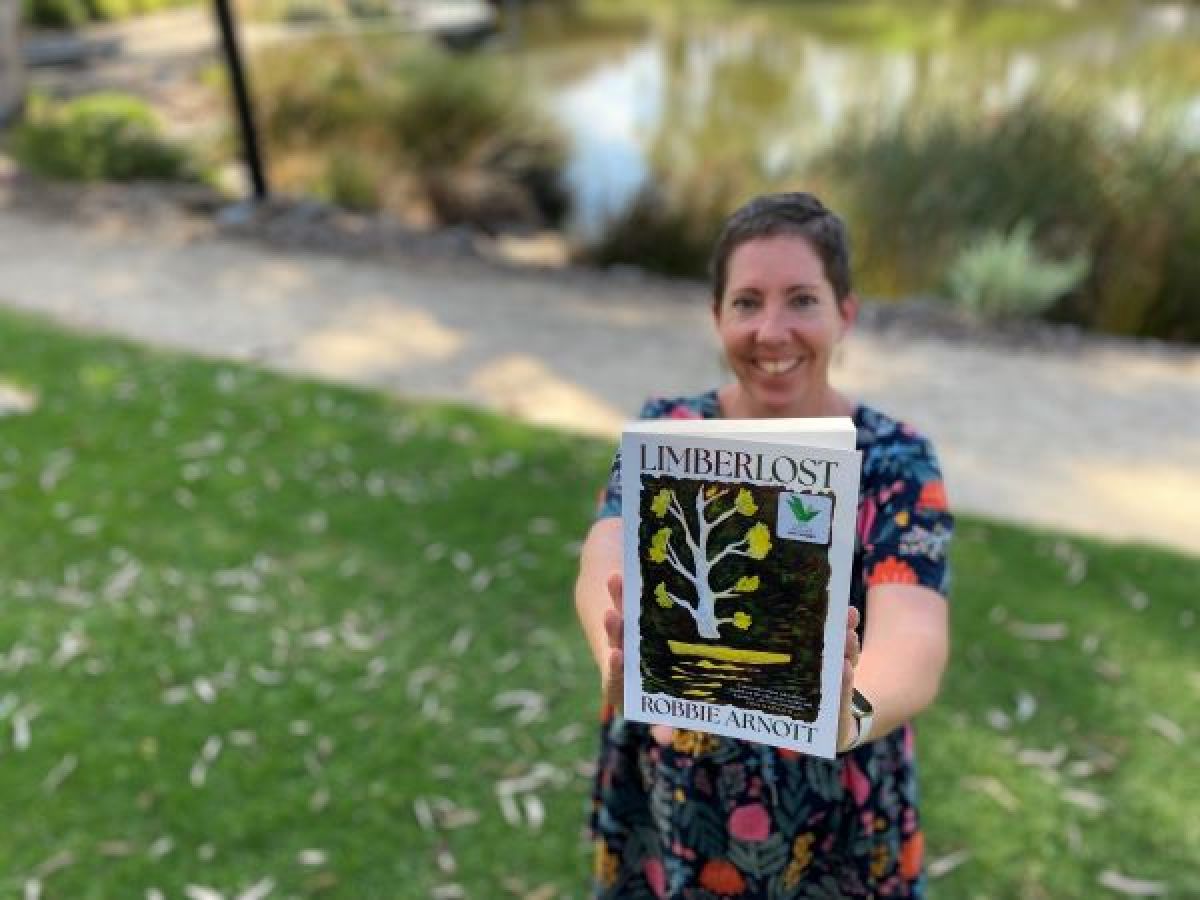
[616, 590]
[613, 627]
[662, 734]
[853, 645]
[614, 684]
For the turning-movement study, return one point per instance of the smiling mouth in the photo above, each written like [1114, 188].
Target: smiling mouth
[777, 366]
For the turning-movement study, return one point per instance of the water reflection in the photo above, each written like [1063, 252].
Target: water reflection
[767, 93]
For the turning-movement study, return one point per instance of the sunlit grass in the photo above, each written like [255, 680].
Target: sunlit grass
[268, 632]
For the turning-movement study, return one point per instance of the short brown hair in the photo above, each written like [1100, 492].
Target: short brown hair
[793, 213]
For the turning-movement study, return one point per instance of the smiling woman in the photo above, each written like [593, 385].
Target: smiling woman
[672, 812]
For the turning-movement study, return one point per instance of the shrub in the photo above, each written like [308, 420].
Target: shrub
[669, 227]
[911, 189]
[73, 13]
[1003, 275]
[103, 136]
[350, 182]
[439, 122]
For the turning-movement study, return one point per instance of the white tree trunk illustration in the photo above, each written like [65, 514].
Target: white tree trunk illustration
[702, 571]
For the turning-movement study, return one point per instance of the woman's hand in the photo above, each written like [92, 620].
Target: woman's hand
[614, 671]
[847, 727]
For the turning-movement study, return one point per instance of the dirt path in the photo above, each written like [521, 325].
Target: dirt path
[1100, 439]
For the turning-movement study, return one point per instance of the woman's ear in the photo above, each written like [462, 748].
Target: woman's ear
[848, 312]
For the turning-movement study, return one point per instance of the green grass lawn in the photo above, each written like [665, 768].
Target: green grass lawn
[269, 633]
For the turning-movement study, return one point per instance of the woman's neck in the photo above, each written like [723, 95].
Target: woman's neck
[735, 404]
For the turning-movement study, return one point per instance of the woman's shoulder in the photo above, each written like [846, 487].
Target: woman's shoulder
[891, 447]
[690, 406]
[877, 427]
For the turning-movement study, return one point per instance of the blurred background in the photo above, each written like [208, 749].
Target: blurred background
[293, 485]
[1023, 158]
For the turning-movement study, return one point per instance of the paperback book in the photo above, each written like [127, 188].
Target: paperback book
[738, 546]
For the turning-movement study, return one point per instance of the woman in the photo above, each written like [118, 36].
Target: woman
[685, 814]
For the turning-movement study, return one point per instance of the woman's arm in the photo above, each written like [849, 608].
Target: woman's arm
[904, 652]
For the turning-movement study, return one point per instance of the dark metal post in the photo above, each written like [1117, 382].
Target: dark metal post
[241, 96]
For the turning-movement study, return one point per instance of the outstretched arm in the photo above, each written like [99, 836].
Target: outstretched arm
[904, 652]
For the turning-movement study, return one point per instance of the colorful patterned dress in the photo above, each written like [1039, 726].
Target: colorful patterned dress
[709, 816]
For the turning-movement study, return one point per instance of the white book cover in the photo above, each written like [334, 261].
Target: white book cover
[738, 545]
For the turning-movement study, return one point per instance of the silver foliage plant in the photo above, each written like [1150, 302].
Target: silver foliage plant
[1003, 275]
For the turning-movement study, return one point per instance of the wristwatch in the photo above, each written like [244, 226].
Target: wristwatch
[864, 714]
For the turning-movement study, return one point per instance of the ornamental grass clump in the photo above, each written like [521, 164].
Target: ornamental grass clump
[1122, 197]
[458, 135]
[1003, 275]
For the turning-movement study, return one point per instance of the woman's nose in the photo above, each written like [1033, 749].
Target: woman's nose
[773, 326]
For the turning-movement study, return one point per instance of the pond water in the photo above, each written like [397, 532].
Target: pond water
[767, 85]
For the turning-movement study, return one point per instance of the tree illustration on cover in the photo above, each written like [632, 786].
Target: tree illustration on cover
[703, 572]
[730, 612]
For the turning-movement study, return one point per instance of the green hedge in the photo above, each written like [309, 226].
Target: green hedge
[103, 136]
[73, 13]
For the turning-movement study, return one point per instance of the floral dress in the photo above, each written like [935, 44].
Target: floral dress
[710, 816]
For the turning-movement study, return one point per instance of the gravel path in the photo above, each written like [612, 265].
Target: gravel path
[1097, 437]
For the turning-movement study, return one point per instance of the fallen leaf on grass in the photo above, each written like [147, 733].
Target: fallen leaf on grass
[1133, 887]
[60, 773]
[530, 705]
[1089, 800]
[201, 892]
[259, 890]
[445, 861]
[1026, 706]
[1165, 727]
[424, 814]
[1074, 838]
[993, 788]
[944, 865]
[448, 892]
[998, 719]
[312, 857]
[15, 401]
[1045, 631]
[535, 812]
[461, 641]
[1047, 759]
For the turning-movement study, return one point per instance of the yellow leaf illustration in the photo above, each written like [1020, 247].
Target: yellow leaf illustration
[660, 594]
[759, 539]
[658, 545]
[661, 501]
[710, 492]
[741, 620]
[745, 503]
[746, 584]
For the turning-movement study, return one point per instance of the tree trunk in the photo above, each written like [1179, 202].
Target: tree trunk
[12, 63]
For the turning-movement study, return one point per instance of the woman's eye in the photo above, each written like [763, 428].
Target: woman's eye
[744, 302]
[802, 300]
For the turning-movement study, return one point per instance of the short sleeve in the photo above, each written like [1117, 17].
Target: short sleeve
[905, 523]
[609, 501]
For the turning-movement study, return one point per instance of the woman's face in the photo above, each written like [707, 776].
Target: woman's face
[779, 321]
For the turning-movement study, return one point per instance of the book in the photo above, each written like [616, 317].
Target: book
[738, 542]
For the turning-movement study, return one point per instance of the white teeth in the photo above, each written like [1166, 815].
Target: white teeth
[777, 366]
